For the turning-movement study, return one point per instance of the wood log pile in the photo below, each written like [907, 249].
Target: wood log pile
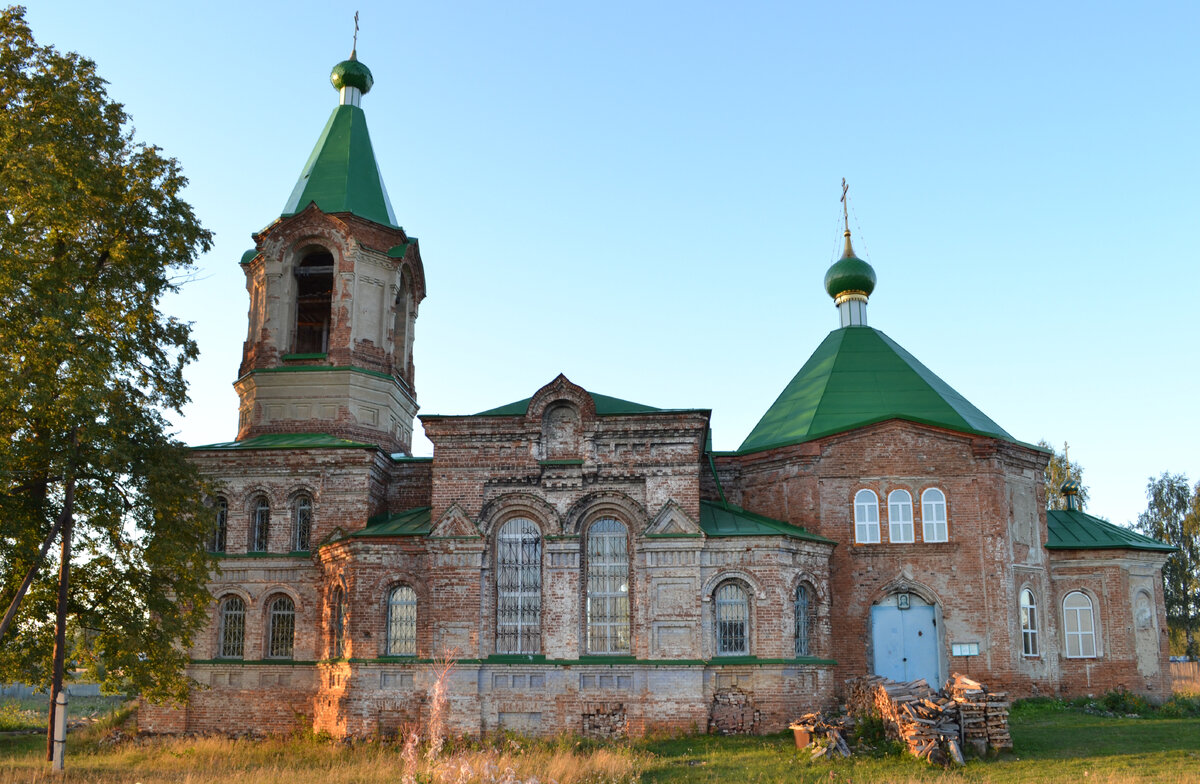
[827, 732]
[984, 713]
[925, 721]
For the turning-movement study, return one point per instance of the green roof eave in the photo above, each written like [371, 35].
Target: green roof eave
[410, 522]
[341, 174]
[723, 519]
[605, 406]
[290, 441]
[1071, 529]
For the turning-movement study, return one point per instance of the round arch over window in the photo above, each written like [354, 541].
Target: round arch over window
[519, 587]
[402, 621]
[732, 615]
[1029, 624]
[231, 631]
[281, 627]
[900, 516]
[1080, 625]
[866, 517]
[607, 587]
[933, 516]
[260, 525]
[302, 511]
[806, 619]
[314, 301]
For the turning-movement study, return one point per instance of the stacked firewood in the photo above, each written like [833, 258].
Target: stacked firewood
[925, 721]
[831, 729]
[984, 713]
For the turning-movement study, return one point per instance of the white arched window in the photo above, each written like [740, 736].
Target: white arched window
[301, 522]
[866, 517]
[933, 516]
[281, 628]
[260, 527]
[1080, 626]
[402, 621]
[805, 620]
[732, 608]
[231, 634]
[1029, 624]
[607, 587]
[900, 516]
[519, 587]
[337, 624]
[216, 540]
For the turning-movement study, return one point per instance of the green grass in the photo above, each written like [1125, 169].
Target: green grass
[30, 713]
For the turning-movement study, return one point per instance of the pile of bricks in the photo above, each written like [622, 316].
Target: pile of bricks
[984, 713]
[604, 720]
[732, 713]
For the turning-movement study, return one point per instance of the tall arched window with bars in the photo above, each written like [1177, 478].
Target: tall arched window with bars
[302, 509]
[519, 587]
[337, 624]
[806, 617]
[216, 540]
[402, 621]
[231, 632]
[607, 587]
[281, 627]
[260, 527]
[732, 609]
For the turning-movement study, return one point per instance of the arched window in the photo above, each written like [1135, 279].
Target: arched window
[1080, 626]
[402, 621]
[933, 516]
[900, 516]
[301, 522]
[337, 624]
[607, 587]
[1029, 624]
[216, 539]
[806, 618]
[866, 517]
[733, 620]
[518, 587]
[231, 634]
[281, 628]
[314, 299]
[260, 529]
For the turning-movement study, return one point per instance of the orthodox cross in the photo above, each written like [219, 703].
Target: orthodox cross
[845, 214]
[354, 47]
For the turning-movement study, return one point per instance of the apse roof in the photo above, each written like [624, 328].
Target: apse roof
[856, 377]
[605, 406]
[410, 522]
[723, 519]
[1071, 529]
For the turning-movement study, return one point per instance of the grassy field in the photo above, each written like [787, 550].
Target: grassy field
[1054, 743]
[21, 713]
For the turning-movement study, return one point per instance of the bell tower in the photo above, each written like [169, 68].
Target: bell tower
[334, 286]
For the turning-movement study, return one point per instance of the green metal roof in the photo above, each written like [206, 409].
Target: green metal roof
[605, 406]
[410, 522]
[1070, 529]
[722, 519]
[856, 377]
[290, 441]
[341, 174]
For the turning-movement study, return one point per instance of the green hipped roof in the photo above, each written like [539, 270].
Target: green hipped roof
[290, 441]
[856, 377]
[410, 522]
[341, 174]
[722, 519]
[1070, 529]
[605, 406]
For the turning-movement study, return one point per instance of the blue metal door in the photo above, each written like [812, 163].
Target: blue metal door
[905, 644]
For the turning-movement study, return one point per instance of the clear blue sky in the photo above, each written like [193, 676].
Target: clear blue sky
[644, 196]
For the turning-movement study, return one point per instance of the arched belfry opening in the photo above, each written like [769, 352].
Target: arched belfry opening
[402, 337]
[314, 301]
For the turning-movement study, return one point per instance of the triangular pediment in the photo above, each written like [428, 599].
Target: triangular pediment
[671, 520]
[455, 524]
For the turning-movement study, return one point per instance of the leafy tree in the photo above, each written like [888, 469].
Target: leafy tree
[93, 233]
[1058, 471]
[1173, 516]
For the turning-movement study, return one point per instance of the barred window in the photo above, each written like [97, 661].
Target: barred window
[261, 528]
[216, 539]
[337, 624]
[733, 620]
[866, 517]
[281, 628]
[402, 621]
[301, 522]
[1029, 624]
[607, 587]
[900, 516]
[1080, 626]
[805, 620]
[232, 628]
[933, 516]
[518, 587]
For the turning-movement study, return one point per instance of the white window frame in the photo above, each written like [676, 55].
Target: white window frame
[402, 621]
[866, 517]
[934, 527]
[900, 517]
[1030, 645]
[607, 584]
[519, 587]
[1081, 642]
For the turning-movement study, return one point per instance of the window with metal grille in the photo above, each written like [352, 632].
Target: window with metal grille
[337, 624]
[733, 620]
[232, 632]
[607, 587]
[900, 516]
[216, 540]
[281, 628]
[261, 526]
[1080, 626]
[1029, 624]
[866, 517]
[402, 621]
[933, 516]
[301, 522]
[518, 587]
[805, 620]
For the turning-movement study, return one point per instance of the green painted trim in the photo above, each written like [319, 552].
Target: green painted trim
[287, 357]
[674, 536]
[524, 659]
[256, 662]
[407, 459]
[250, 556]
[560, 462]
[516, 658]
[322, 368]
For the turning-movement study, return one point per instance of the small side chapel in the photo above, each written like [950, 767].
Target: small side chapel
[591, 563]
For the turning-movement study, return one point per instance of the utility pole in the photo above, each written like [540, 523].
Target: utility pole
[60, 629]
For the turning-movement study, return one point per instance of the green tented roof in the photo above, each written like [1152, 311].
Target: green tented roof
[1070, 529]
[290, 441]
[856, 377]
[605, 406]
[341, 174]
[410, 522]
[721, 519]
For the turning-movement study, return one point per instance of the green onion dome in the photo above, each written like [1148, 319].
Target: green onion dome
[849, 273]
[352, 73]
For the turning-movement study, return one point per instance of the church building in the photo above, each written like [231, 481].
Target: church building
[592, 564]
